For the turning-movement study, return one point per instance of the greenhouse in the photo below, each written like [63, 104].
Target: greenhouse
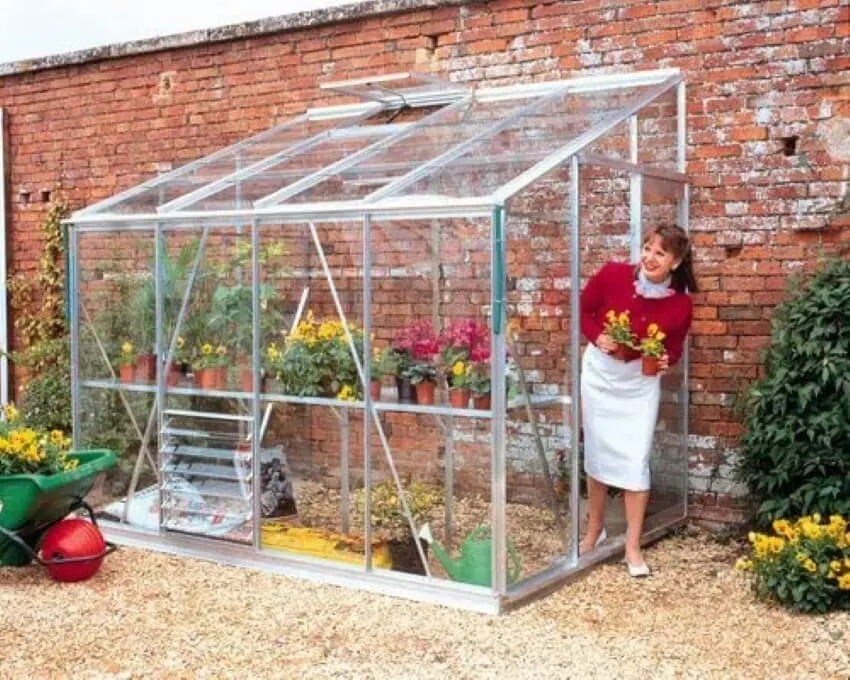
[348, 348]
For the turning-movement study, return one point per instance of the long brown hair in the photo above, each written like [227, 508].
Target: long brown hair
[675, 240]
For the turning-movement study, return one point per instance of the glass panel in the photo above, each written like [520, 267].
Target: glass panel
[313, 393]
[243, 194]
[115, 305]
[539, 426]
[657, 125]
[669, 461]
[556, 121]
[232, 159]
[431, 284]
[207, 425]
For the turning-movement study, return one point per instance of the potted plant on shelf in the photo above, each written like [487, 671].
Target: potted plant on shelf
[479, 383]
[422, 374]
[127, 362]
[652, 349]
[618, 327]
[384, 363]
[210, 365]
[463, 340]
[417, 345]
[390, 523]
[461, 382]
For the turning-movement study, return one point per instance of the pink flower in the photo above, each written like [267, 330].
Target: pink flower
[418, 339]
[467, 335]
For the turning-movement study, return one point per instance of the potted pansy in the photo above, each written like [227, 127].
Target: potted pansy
[127, 362]
[463, 340]
[618, 327]
[652, 349]
[210, 366]
[461, 381]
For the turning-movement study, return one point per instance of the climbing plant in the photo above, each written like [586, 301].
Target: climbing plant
[38, 304]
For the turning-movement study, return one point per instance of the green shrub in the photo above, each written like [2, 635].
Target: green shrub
[795, 452]
[805, 566]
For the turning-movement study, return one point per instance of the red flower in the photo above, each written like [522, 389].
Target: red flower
[467, 335]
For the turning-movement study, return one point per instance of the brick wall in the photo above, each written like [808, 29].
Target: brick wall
[768, 153]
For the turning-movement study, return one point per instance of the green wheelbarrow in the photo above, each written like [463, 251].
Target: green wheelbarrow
[31, 504]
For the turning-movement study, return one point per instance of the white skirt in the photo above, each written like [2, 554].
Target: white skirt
[619, 407]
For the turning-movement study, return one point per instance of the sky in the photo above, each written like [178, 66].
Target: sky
[38, 28]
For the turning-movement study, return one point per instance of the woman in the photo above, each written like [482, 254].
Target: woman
[620, 404]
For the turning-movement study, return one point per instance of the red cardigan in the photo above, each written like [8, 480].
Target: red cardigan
[613, 288]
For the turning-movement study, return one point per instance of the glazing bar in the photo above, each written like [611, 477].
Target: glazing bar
[635, 193]
[575, 350]
[498, 469]
[367, 394]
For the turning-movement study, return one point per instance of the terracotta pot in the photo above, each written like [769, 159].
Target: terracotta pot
[246, 379]
[623, 352]
[146, 367]
[425, 392]
[481, 401]
[649, 366]
[206, 378]
[128, 373]
[221, 377]
[375, 390]
[175, 373]
[459, 397]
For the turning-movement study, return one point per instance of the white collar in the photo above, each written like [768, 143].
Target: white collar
[648, 289]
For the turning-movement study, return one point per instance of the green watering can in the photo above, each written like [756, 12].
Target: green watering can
[475, 565]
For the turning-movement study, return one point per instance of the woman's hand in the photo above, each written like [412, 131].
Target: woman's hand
[664, 363]
[605, 343]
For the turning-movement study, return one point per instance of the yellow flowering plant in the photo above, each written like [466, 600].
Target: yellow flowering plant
[316, 360]
[618, 327]
[210, 355]
[27, 450]
[803, 565]
[127, 357]
[653, 344]
[461, 372]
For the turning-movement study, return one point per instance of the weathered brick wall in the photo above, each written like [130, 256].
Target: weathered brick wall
[768, 152]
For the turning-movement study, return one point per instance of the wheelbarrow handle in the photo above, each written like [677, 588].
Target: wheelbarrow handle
[110, 548]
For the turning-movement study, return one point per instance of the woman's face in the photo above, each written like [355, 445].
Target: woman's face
[656, 262]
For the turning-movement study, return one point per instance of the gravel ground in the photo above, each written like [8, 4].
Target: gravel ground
[147, 615]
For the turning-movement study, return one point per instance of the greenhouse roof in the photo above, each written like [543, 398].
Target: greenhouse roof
[468, 151]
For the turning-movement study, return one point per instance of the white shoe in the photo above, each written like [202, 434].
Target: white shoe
[637, 570]
[602, 537]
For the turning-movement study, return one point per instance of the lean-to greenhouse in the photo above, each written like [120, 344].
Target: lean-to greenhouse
[248, 331]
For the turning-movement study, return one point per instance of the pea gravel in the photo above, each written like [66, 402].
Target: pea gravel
[148, 615]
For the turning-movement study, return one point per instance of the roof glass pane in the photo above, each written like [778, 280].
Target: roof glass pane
[146, 199]
[243, 192]
[558, 121]
[434, 135]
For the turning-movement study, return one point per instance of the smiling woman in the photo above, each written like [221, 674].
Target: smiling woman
[619, 399]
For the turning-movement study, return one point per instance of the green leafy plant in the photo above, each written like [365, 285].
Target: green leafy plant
[128, 354]
[387, 514]
[479, 380]
[420, 371]
[461, 374]
[804, 565]
[618, 327]
[210, 355]
[795, 451]
[384, 362]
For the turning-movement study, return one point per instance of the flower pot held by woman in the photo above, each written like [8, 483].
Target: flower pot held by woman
[649, 366]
